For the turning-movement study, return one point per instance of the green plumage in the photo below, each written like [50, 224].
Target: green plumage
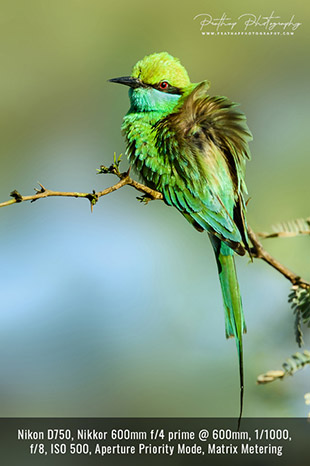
[192, 147]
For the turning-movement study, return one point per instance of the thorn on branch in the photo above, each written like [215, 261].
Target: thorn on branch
[16, 195]
[254, 253]
[93, 199]
[40, 191]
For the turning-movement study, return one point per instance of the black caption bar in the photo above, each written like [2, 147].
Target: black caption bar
[154, 441]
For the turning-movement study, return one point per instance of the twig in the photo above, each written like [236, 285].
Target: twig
[92, 197]
[257, 251]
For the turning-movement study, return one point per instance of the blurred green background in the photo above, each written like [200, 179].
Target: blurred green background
[119, 312]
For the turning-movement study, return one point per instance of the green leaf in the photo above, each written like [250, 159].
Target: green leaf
[299, 298]
[297, 227]
[293, 364]
[296, 362]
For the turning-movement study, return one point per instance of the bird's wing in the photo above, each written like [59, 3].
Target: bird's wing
[206, 143]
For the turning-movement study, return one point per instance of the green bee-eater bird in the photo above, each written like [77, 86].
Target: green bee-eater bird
[192, 148]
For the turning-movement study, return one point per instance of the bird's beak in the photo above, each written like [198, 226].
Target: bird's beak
[128, 81]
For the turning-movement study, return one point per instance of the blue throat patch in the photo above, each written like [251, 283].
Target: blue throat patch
[149, 99]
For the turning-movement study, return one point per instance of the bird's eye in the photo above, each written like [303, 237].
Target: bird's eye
[163, 85]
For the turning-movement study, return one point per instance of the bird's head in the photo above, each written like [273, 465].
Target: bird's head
[156, 83]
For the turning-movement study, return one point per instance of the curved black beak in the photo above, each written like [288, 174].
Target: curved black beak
[128, 81]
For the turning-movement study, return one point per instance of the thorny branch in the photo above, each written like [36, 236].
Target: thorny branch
[259, 252]
[93, 197]
[149, 194]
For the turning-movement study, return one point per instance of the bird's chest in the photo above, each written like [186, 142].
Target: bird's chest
[143, 151]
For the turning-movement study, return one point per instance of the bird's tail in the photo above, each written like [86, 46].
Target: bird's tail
[234, 318]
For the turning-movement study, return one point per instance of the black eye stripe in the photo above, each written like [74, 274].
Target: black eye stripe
[169, 89]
